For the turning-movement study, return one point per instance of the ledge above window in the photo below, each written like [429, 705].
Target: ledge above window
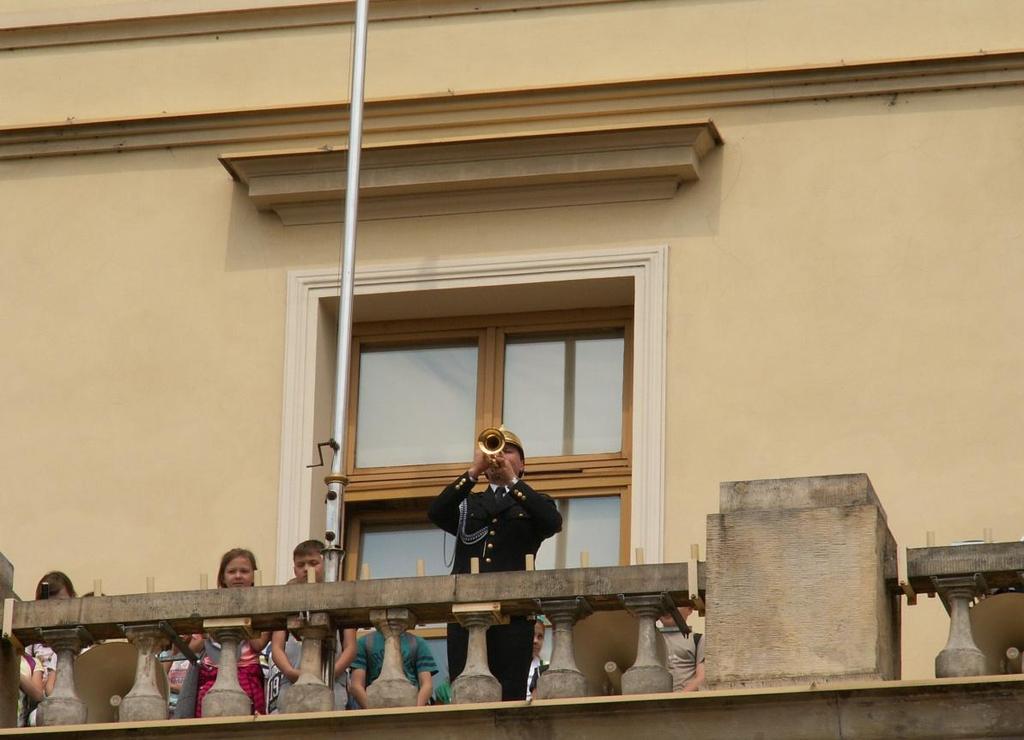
[307, 186]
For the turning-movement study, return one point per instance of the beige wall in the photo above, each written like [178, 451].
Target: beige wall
[846, 302]
[844, 283]
[643, 39]
[142, 370]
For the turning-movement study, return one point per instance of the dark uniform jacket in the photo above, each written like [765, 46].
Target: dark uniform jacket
[498, 527]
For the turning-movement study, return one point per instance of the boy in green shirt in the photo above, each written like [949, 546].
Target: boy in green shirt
[417, 661]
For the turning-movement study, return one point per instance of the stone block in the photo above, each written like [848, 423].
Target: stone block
[142, 709]
[307, 697]
[476, 689]
[800, 579]
[559, 683]
[816, 492]
[6, 578]
[226, 703]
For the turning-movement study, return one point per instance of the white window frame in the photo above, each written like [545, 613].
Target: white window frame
[646, 265]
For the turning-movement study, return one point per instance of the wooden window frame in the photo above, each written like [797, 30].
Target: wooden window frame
[489, 331]
[371, 490]
[362, 517]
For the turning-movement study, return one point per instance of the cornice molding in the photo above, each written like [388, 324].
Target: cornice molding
[489, 174]
[177, 18]
[518, 112]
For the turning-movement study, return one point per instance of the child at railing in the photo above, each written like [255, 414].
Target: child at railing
[286, 650]
[237, 570]
[54, 585]
[176, 668]
[30, 689]
[417, 662]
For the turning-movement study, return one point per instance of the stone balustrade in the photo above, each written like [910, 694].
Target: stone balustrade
[563, 678]
[314, 611]
[801, 560]
[982, 638]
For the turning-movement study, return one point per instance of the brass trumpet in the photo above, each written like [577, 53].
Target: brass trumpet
[491, 441]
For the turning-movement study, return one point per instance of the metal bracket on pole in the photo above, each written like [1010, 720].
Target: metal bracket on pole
[320, 452]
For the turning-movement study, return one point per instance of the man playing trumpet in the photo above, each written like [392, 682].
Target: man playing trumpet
[500, 525]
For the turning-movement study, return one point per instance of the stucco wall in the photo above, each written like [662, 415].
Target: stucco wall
[641, 39]
[844, 281]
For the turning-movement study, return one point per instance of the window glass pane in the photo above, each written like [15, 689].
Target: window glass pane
[597, 411]
[534, 397]
[391, 551]
[416, 405]
[589, 523]
[564, 396]
[593, 526]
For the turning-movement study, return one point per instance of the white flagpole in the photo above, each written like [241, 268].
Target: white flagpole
[337, 480]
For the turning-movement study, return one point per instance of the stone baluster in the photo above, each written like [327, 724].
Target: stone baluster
[64, 706]
[10, 659]
[10, 648]
[226, 698]
[392, 688]
[647, 675]
[309, 693]
[144, 701]
[476, 683]
[961, 656]
[563, 679]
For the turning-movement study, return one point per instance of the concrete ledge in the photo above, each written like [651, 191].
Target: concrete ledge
[1001, 563]
[470, 175]
[430, 118]
[350, 601]
[798, 493]
[180, 18]
[942, 708]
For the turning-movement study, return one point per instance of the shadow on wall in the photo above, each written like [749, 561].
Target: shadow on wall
[258, 240]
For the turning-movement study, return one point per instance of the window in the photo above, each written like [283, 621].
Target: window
[422, 390]
[564, 393]
[590, 524]
[569, 281]
[431, 387]
[387, 547]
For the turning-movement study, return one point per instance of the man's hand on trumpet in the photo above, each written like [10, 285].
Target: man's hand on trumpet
[500, 469]
[502, 472]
